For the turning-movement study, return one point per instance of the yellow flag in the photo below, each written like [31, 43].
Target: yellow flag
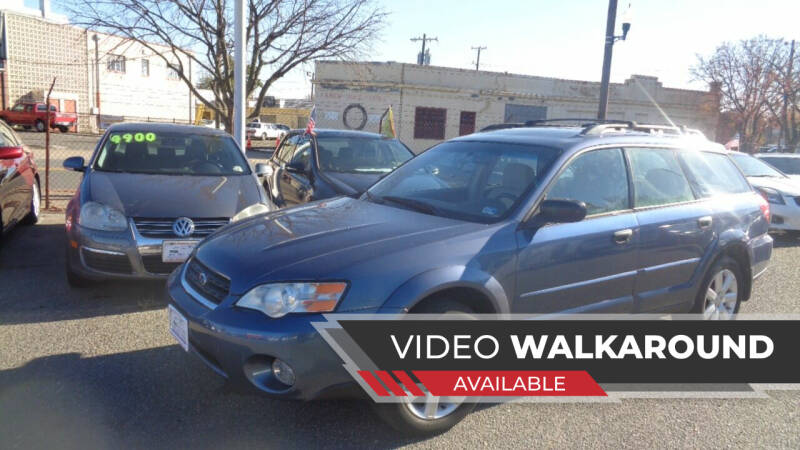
[387, 124]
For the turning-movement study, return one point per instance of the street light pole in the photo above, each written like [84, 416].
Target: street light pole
[239, 100]
[610, 24]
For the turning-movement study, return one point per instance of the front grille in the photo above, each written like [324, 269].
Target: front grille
[107, 262]
[154, 264]
[162, 228]
[216, 287]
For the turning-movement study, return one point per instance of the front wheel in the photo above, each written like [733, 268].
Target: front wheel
[428, 415]
[39, 126]
[36, 202]
[720, 295]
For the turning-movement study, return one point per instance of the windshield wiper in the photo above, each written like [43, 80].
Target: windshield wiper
[416, 205]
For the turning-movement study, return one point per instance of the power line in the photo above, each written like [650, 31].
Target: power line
[422, 55]
[478, 60]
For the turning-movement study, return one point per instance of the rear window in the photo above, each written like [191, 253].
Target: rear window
[657, 178]
[785, 164]
[713, 174]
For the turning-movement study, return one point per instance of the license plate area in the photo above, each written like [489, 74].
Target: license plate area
[178, 327]
[176, 251]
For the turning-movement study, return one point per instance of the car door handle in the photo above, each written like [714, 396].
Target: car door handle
[623, 236]
[704, 222]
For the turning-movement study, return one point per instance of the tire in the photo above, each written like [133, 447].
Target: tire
[402, 416]
[719, 297]
[36, 203]
[26, 127]
[63, 128]
[39, 126]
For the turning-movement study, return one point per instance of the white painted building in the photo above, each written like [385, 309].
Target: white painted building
[432, 104]
[135, 83]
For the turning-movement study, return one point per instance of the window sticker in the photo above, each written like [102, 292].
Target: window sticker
[133, 137]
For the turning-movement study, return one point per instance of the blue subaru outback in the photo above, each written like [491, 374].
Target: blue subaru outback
[528, 218]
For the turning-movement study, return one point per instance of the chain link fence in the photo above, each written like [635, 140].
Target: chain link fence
[58, 184]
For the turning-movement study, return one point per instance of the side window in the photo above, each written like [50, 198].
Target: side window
[287, 148]
[712, 174]
[657, 177]
[597, 178]
[303, 155]
[18, 107]
[28, 108]
[41, 108]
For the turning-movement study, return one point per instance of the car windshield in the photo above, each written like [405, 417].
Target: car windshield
[790, 165]
[754, 167]
[170, 154]
[360, 154]
[475, 181]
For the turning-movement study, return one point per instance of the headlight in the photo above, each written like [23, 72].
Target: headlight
[771, 195]
[98, 216]
[252, 210]
[278, 299]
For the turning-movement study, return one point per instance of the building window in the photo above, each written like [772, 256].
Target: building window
[172, 74]
[145, 68]
[429, 123]
[467, 123]
[116, 63]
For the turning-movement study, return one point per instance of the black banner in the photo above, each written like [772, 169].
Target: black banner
[612, 351]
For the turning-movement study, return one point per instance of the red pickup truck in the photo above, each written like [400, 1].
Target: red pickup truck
[34, 115]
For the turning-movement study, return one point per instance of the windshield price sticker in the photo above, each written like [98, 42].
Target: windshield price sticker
[133, 137]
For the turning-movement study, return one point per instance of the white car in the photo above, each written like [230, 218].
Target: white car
[264, 131]
[788, 163]
[781, 191]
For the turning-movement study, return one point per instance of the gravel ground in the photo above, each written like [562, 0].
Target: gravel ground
[97, 368]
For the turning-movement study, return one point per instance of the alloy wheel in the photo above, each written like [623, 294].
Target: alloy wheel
[721, 296]
[431, 408]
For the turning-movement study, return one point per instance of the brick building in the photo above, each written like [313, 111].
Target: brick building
[436, 103]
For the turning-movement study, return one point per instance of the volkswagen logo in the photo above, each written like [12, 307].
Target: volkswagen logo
[202, 278]
[183, 227]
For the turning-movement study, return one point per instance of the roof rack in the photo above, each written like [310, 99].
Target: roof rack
[597, 126]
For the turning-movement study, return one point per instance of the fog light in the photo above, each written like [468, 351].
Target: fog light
[283, 372]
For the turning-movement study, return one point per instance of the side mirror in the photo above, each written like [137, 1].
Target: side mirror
[295, 167]
[10, 152]
[561, 211]
[263, 169]
[75, 163]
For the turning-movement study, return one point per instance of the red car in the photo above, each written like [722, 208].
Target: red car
[19, 182]
[35, 115]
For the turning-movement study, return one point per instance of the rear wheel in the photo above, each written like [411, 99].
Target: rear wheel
[720, 295]
[428, 415]
[36, 202]
[39, 126]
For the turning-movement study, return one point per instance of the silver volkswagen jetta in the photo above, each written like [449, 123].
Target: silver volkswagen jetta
[149, 194]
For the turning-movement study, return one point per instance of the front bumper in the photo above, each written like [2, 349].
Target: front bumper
[240, 345]
[101, 255]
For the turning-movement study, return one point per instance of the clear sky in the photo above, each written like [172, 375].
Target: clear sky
[564, 38]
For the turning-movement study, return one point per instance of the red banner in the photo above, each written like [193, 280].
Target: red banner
[511, 383]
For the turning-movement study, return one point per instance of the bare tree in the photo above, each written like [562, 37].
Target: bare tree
[281, 35]
[783, 100]
[745, 74]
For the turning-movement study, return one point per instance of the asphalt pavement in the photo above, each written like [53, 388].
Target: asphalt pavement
[97, 368]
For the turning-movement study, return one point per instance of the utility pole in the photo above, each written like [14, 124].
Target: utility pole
[424, 40]
[478, 60]
[609, 46]
[96, 38]
[239, 100]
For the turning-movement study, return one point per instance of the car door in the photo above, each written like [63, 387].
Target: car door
[586, 266]
[676, 229]
[14, 115]
[15, 190]
[295, 185]
[281, 156]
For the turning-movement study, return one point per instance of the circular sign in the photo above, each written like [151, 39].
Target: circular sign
[354, 117]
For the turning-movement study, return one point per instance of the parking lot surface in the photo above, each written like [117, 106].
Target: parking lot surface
[97, 368]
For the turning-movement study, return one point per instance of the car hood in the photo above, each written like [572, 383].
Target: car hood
[352, 183]
[145, 195]
[786, 186]
[320, 240]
